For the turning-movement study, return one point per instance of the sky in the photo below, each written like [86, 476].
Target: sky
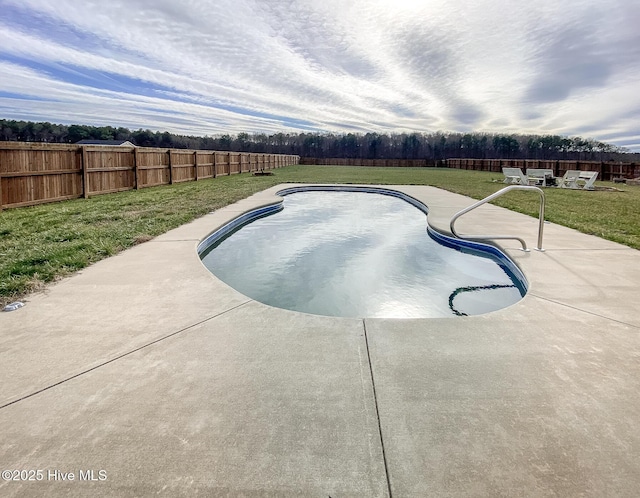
[206, 67]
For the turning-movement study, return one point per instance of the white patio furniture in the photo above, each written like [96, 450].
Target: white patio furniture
[514, 176]
[541, 177]
[579, 179]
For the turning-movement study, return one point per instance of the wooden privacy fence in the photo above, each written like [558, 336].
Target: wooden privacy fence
[36, 173]
[607, 171]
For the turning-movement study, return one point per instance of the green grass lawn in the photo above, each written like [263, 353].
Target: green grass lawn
[40, 244]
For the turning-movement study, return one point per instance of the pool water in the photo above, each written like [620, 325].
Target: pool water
[358, 254]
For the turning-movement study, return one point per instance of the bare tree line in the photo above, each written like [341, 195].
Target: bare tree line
[433, 146]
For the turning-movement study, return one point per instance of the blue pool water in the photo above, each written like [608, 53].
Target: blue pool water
[357, 254]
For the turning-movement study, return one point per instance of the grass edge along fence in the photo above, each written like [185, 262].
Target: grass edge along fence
[38, 173]
[607, 170]
[374, 163]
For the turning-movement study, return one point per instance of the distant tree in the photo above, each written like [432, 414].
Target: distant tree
[374, 145]
[506, 146]
[165, 140]
[241, 143]
[225, 142]
[75, 133]
[104, 133]
[122, 134]
[144, 138]
[411, 146]
[7, 133]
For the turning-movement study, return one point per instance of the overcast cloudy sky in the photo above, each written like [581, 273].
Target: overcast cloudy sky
[205, 67]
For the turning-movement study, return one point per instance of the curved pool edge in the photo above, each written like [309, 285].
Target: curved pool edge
[357, 188]
[441, 236]
[485, 249]
[235, 224]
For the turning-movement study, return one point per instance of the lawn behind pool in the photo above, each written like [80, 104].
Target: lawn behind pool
[43, 243]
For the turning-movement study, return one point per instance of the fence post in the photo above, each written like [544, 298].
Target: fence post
[136, 172]
[85, 175]
[195, 162]
[0, 190]
[215, 167]
[170, 168]
[229, 163]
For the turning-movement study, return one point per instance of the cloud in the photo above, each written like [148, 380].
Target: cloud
[224, 66]
[569, 60]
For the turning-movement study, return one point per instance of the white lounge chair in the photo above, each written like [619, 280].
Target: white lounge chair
[579, 179]
[515, 176]
[541, 177]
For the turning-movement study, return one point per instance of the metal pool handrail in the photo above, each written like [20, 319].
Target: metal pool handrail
[490, 198]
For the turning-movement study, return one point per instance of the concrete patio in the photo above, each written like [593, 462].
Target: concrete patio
[146, 367]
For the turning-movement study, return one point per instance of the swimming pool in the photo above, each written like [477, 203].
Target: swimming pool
[358, 252]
